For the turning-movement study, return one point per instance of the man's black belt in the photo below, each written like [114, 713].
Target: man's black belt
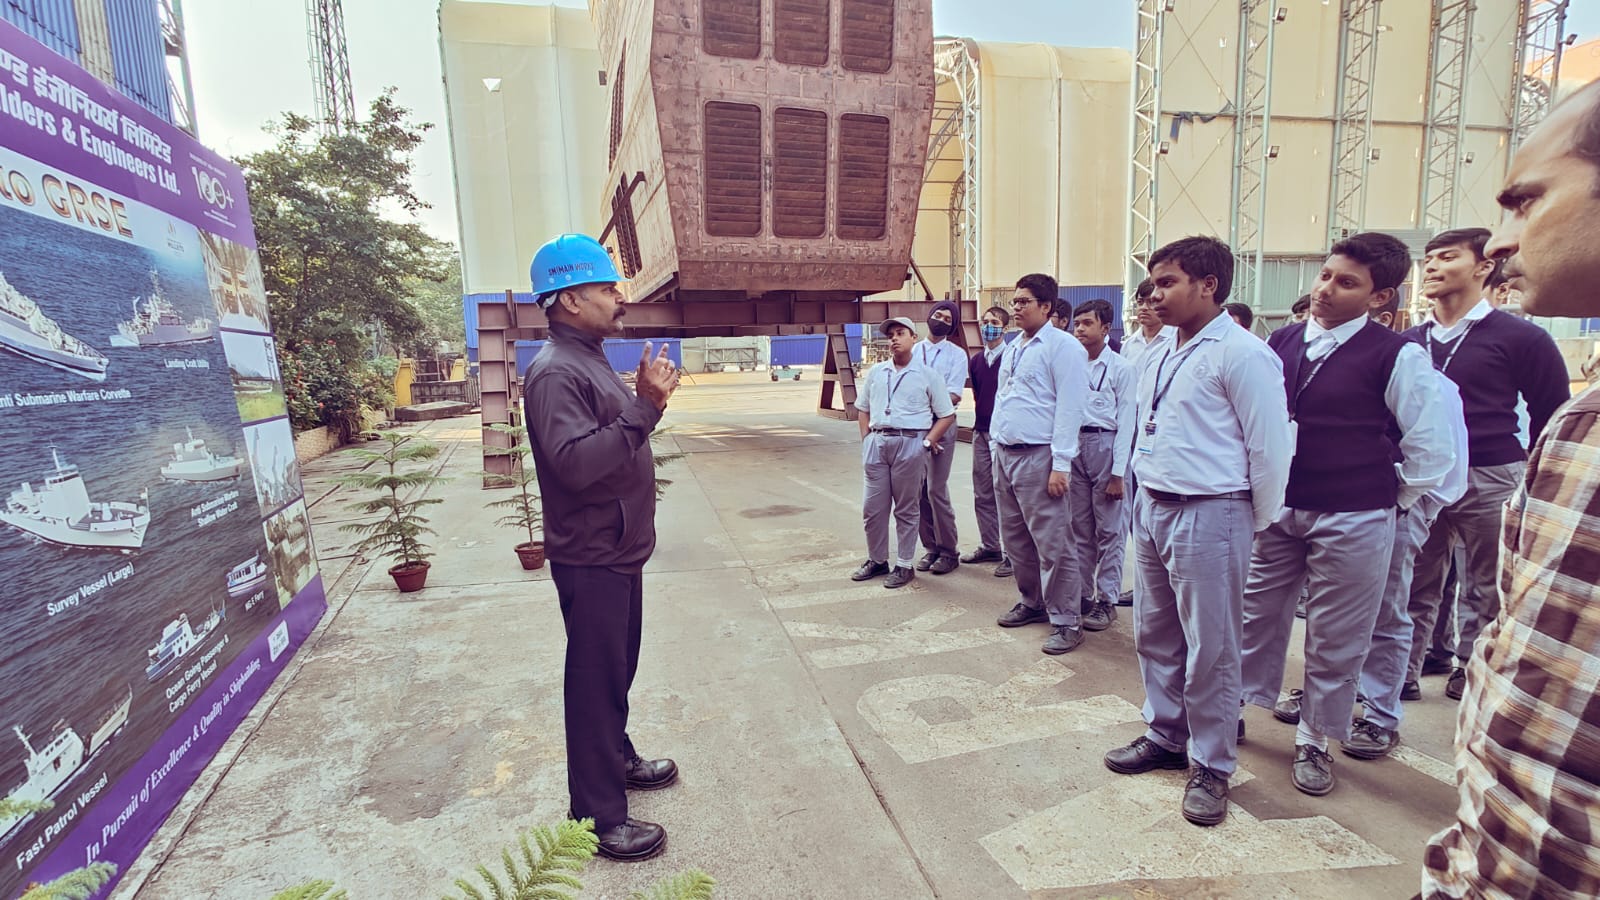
[1096, 429]
[1168, 497]
[900, 432]
[1022, 446]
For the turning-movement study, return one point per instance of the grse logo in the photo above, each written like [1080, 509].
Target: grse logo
[212, 190]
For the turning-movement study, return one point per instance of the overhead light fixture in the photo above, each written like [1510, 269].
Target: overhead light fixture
[492, 84]
[1169, 5]
[1272, 151]
[1280, 14]
[1571, 39]
[1373, 154]
[1164, 148]
[1468, 158]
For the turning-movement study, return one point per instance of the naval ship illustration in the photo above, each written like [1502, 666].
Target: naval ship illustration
[156, 323]
[52, 766]
[29, 333]
[191, 461]
[247, 576]
[60, 512]
[178, 639]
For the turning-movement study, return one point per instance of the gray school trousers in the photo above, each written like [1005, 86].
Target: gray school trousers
[1037, 531]
[1097, 520]
[1190, 563]
[938, 526]
[1344, 558]
[1475, 520]
[894, 468]
[1384, 672]
[983, 501]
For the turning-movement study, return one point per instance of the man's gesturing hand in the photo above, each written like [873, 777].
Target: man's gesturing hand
[657, 378]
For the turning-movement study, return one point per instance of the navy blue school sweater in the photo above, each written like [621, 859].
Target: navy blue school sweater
[1499, 357]
[985, 382]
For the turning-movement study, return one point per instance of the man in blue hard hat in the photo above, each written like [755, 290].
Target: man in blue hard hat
[590, 438]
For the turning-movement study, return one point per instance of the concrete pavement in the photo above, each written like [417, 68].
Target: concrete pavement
[836, 740]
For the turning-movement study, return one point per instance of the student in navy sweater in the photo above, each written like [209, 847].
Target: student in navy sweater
[1494, 358]
[1347, 380]
[984, 373]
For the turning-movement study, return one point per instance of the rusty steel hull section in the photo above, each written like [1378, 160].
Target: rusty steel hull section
[765, 148]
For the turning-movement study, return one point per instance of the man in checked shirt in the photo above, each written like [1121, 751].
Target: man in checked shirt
[1528, 737]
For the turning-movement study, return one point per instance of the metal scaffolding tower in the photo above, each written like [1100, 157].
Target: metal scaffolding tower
[1449, 65]
[177, 50]
[1352, 127]
[330, 65]
[955, 61]
[1146, 144]
[1541, 37]
[1258, 28]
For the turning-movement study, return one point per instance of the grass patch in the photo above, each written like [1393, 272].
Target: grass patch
[253, 407]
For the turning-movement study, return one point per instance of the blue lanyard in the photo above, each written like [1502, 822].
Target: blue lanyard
[888, 405]
[1104, 370]
[1017, 360]
[1160, 391]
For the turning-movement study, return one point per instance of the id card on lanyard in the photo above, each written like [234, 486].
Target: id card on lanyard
[1145, 443]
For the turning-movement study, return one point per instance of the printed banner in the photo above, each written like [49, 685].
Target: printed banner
[156, 566]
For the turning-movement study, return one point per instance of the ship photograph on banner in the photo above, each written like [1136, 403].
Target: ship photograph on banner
[159, 566]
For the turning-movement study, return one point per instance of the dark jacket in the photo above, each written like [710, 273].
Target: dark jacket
[591, 449]
[985, 382]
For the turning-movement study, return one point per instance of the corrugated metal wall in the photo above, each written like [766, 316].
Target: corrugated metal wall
[53, 23]
[800, 349]
[94, 40]
[138, 53]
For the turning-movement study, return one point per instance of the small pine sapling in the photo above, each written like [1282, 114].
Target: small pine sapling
[398, 534]
[79, 884]
[523, 507]
[661, 459]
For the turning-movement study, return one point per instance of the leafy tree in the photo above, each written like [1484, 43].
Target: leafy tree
[335, 222]
[438, 305]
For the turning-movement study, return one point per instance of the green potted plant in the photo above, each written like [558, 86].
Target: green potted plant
[522, 507]
[398, 533]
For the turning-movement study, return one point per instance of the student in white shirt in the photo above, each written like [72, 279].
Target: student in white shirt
[1034, 436]
[1383, 675]
[949, 359]
[983, 370]
[1099, 521]
[1348, 380]
[1152, 336]
[904, 409]
[1212, 458]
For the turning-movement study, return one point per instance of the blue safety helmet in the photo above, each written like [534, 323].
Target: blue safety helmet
[568, 261]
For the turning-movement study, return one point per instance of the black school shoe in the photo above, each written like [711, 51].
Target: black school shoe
[927, 560]
[632, 841]
[1144, 755]
[1369, 741]
[869, 570]
[650, 774]
[1457, 685]
[1288, 709]
[1205, 798]
[899, 578]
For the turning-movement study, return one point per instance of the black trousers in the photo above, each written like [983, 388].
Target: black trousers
[602, 609]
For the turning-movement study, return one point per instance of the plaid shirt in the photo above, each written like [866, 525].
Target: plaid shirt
[1528, 736]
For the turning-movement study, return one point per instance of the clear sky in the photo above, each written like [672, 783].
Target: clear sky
[248, 60]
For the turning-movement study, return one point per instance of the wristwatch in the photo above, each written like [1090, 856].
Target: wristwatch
[927, 444]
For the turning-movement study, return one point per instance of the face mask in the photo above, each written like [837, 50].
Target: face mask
[992, 332]
[940, 329]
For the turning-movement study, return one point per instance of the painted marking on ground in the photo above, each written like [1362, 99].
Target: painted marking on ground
[786, 576]
[914, 637]
[819, 490]
[1437, 769]
[1132, 829]
[998, 714]
[872, 590]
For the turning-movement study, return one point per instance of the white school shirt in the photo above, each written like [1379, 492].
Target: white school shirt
[1454, 485]
[1445, 335]
[1137, 348]
[1427, 439]
[946, 358]
[1113, 403]
[917, 391]
[1043, 382]
[1223, 421]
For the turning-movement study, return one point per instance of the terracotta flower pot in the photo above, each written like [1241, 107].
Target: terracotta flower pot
[410, 577]
[531, 554]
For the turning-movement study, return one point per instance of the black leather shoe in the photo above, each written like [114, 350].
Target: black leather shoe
[944, 565]
[983, 555]
[1288, 709]
[870, 570]
[1411, 691]
[899, 578]
[927, 561]
[1125, 598]
[1369, 741]
[1241, 730]
[1004, 569]
[1099, 617]
[1021, 615]
[1205, 799]
[1433, 665]
[1313, 770]
[1062, 639]
[632, 841]
[650, 774]
[1144, 755]
[1457, 685]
